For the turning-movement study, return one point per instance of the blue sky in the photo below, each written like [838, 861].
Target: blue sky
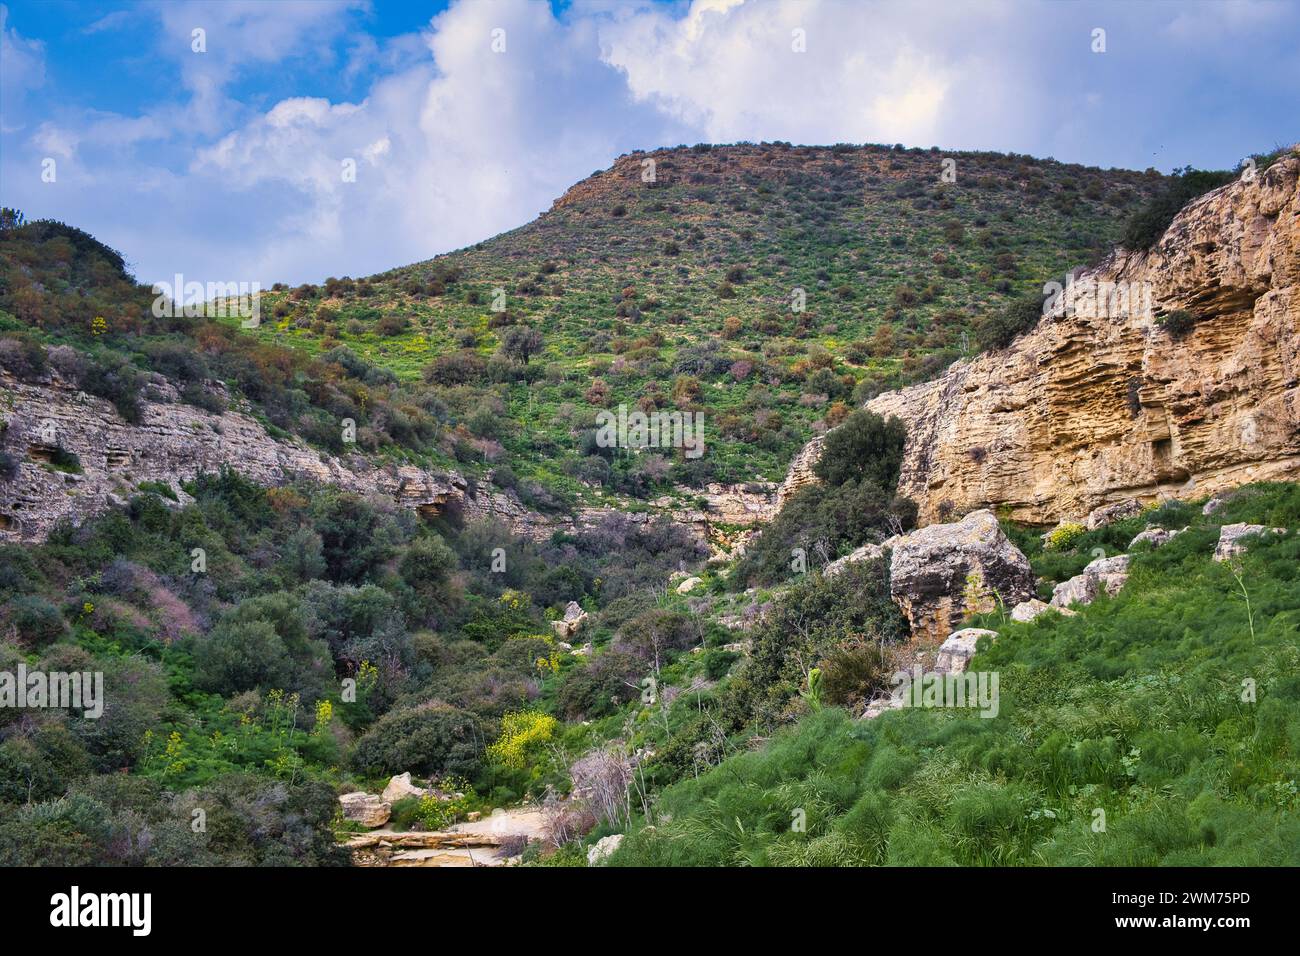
[227, 164]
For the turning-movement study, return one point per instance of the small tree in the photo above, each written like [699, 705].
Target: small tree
[521, 343]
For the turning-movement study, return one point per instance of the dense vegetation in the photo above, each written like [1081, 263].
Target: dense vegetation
[1170, 713]
[227, 632]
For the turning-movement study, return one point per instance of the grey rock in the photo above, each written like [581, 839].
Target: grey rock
[1232, 538]
[958, 648]
[943, 573]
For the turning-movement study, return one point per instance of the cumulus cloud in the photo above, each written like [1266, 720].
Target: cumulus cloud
[433, 140]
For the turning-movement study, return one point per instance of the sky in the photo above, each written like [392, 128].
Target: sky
[291, 140]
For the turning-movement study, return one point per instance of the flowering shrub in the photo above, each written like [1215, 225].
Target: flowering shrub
[522, 734]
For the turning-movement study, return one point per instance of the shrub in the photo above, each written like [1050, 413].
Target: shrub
[1064, 537]
[523, 733]
[850, 675]
[1177, 323]
[865, 447]
[997, 330]
[112, 377]
[1149, 223]
[431, 740]
[37, 621]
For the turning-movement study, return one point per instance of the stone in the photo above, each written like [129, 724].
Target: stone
[942, 574]
[1027, 611]
[1155, 536]
[1094, 404]
[1213, 505]
[958, 648]
[365, 808]
[400, 787]
[1104, 574]
[1108, 514]
[882, 704]
[1231, 538]
[601, 850]
[868, 552]
[574, 618]
[689, 585]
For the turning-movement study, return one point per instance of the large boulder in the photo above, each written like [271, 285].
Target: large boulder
[574, 618]
[1027, 611]
[1156, 536]
[400, 787]
[365, 808]
[941, 574]
[1104, 574]
[1107, 514]
[601, 850]
[958, 648]
[1231, 538]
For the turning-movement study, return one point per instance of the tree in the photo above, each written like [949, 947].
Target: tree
[520, 342]
[865, 448]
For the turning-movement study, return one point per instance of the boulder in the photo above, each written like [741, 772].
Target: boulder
[882, 704]
[868, 552]
[1157, 537]
[1231, 538]
[574, 618]
[1106, 514]
[1213, 505]
[365, 808]
[1104, 574]
[689, 585]
[958, 648]
[400, 787]
[1027, 611]
[600, 851]
[943, 573]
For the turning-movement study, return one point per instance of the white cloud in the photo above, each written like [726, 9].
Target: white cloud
[454, 143]
[22, 70]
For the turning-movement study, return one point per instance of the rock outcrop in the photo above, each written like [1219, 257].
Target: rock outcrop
[574, 618]
[1108, 575]
[1100, 404]
[958, 648]
[365, 808]
[175, 442]
[1232, 538]
[941, 574]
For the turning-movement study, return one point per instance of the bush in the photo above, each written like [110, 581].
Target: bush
[430, 740]
[997, 330]
[865, 447]
[112, 377]
[1063, 538]
[37, 621]
[1150, 221]
[1177, 323]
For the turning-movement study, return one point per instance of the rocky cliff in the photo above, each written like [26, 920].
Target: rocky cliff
[1101, 403]
[43, 422]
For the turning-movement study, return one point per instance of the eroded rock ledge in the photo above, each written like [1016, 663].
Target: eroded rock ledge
[1090, 409]
[174, 442]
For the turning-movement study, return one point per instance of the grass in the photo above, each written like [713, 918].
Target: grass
[1153, 729]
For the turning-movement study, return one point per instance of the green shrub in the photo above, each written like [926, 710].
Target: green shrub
[430, 740]
[1150, 221]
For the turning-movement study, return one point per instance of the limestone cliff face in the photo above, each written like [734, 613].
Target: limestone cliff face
[1099, 403]
[174, 442]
